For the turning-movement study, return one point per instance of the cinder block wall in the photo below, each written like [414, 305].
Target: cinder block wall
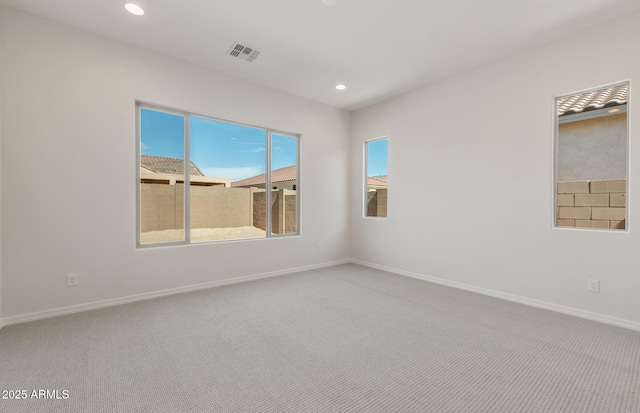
[259, 208]
[283, 210]
[158, 209]
[277, 211]
[592, 204]
[216, 207]
[290, 208]
[259, 202]
[377, 203]
[372, 204]
[162, 207]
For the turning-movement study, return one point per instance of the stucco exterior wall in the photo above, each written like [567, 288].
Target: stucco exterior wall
[593, 149]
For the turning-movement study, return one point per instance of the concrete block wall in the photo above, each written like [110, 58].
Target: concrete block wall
[592, 204]
[162, 207]
[259, 208]
[377, 203]
[178, 205]
[158, 207]
[277, 211]
[218, 207]
[283, 210]
[290, 225]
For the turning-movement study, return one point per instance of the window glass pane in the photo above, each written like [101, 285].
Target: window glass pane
[284, 184]
[228, 199]
[377, 174]
[161, 177]
[591, 163]
[226, 168]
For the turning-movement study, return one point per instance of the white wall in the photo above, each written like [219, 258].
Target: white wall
[69, 144]
[470, 178]
[1, 167]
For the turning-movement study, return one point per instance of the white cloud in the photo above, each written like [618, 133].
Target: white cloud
[256, 150]
[234, 174]
[144, 146]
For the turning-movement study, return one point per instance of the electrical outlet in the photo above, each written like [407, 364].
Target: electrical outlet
[375, 249]
[72, 280]
[593, 285]
[318, 247]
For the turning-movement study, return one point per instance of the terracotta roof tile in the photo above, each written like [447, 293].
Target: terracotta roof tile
[289, 174]
[161, 164]
[372, 181]
[595, 99]
[279, 175]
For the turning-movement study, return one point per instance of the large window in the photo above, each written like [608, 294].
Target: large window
[219, 180]
[591, 158]
[376, 155]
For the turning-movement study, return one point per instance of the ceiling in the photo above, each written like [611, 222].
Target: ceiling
[378, 49]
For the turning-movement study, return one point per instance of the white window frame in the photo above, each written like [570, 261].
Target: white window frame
[365, 190]
[139, 105]
[556, 143]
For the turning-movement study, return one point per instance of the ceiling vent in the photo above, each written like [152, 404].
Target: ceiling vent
[243, 52]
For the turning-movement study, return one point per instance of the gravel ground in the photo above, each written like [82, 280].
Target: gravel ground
[202, 234]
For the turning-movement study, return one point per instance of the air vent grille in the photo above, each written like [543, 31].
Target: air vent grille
[243, 52]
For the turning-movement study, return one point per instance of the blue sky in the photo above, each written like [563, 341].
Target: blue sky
[226, 150]
[377, 157]
[219, 149]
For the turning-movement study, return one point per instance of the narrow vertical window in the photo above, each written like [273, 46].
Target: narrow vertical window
[376, 177]
[284, 184]
[162, 163]
[591, 158]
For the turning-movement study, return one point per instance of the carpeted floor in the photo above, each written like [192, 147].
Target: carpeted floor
[340, 339]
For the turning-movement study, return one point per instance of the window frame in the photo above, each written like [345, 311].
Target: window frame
[365, 190]
[269, 184]
[555, 154]
[139, 105]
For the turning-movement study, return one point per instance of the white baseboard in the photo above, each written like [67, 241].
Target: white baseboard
[620, 322]
[39, 315]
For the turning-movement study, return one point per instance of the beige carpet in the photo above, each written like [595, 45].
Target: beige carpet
[340, 339]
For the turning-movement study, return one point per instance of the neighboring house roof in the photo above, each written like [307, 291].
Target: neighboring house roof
[595, 99]
[375, 181]
[381, 177]
[161, 164]
[289, 174]
[279, 175]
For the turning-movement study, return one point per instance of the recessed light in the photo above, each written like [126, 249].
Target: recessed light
[614, 110]
[134, 9]
[341, 87]
[329, 2]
